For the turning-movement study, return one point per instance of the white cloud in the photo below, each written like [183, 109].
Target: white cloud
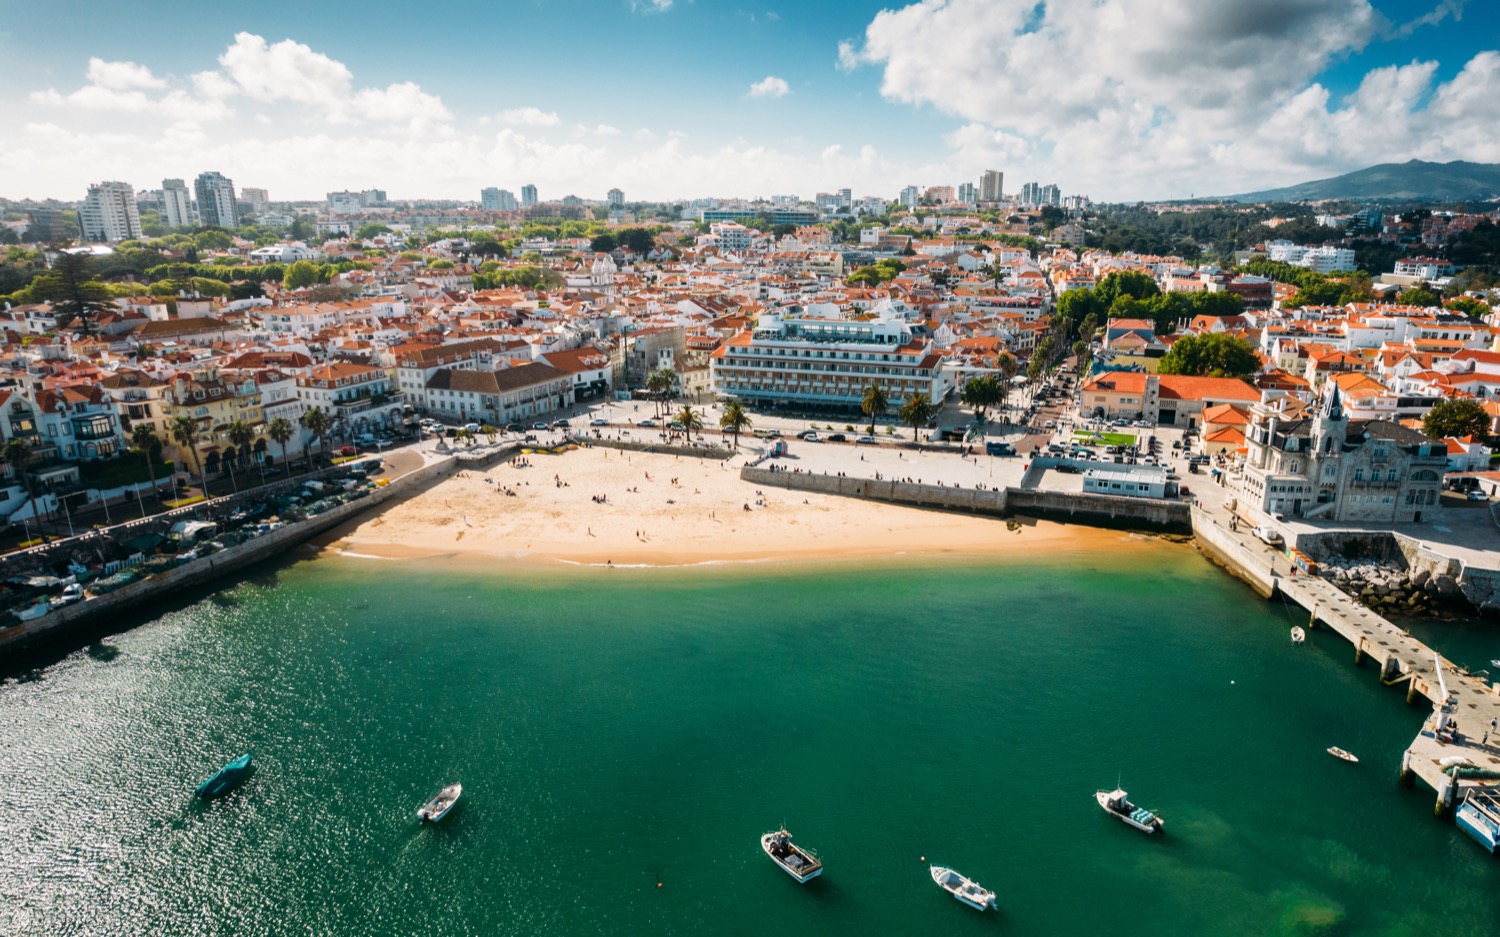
[530, 117]
[121, 76]
[1138, 98]
[126, 88]
[770, 87]
[650, 6]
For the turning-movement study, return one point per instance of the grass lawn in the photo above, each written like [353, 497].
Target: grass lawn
[1103, 439]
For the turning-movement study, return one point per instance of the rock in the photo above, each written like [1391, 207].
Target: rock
[1447, 586]
[1420, 578]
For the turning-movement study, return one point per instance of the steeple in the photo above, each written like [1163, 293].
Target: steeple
[1333, 405]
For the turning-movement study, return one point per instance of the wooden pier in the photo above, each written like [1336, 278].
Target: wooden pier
[1471, 702]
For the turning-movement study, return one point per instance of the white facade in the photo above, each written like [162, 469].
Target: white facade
[176, 204]
[344, 203]
[528, 196]
[216, 205]
[616, 198]
[732, 236]
[109, 213]
[991, 186]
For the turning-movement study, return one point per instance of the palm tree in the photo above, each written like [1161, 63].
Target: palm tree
[916, 410]
[490, 431]
[874, 403]
[980, 393]
[281, 432]
[1007, 365]
[690, 421]
[143, 437]
[660, 383]
[240, 436]
[735, 419]
[185, 433]
[317, 422]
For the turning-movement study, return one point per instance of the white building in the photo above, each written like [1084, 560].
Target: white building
[827, 362]
[733, 237]
[991, 186]
[283, 253]
[344, 203]
[109, 213]
[1319, 259]
[911, 196]
[177, 204]
[216, 205]
[615, 198]
[528, 196]
[258, 199]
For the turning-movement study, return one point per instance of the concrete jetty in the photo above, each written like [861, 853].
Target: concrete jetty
[1470, 701]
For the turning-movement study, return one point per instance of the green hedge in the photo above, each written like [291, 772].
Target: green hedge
[127, 469]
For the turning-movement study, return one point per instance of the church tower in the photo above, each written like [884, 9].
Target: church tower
[1330, 426]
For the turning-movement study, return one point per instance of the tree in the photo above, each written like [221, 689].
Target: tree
[1475, 309]
[185, 433]
[73, 292]
[735, 419]
[874, 403]
[143, 437]
[241, 436]
[1417, 296]
[490, 431]
[17, 453]
[603, 243]
[213, 239]
[638, 240]
[916, 411]
[980, 393]
[372, 229]
[660, 383]
[317, 421]
[302, 273]
[280, 430]
[690, 421]
[1456, 418]
[1211, 354]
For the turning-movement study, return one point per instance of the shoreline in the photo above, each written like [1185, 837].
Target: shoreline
[610, 509]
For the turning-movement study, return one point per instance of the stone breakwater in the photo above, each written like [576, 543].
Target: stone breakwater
[1388, 588]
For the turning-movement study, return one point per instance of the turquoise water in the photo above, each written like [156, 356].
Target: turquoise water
[616, 730]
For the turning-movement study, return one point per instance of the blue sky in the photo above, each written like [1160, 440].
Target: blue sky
[1118, 99]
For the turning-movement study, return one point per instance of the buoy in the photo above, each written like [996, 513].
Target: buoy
[1231, 683]
[924, 859]
[658, 884]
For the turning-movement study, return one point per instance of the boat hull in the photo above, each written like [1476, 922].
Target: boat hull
[1155, 826]
[439, 806]
[802, 876]
[1484, 831]
[225, 779]
[965, 890]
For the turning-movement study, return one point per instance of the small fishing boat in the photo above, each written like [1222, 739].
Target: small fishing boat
[225, 779]
[796, 861]
[1117, 803]
[1479, 816]
[964, 889]
[1298, 635]
[1339, 753]
[1495, 663]
[438, 807]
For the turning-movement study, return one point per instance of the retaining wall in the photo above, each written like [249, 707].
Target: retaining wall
[895, 492]
[59, 623]
[1112, 510]
[720, 453]
[1215, 542]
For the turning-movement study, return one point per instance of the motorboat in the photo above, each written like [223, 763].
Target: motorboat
[796, 861]
[964, 889]
[1117, 803]
[1298, 635]
[1479, 816]
[225, 779]
[1339, 753]
[438, 807]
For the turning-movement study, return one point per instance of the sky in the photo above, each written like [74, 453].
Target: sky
[1120, 100]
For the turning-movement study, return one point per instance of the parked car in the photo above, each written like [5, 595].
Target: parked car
[540, 426]
[514, 428]
[350, 450]
[1067, 468]
[598, 421]
[1049, 425]
[810, 436]
[837, 437]
[1477, 496]
[1267, 534]
[648, 423]
[561, 424]
[866, 438]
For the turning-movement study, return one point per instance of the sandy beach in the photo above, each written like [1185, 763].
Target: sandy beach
[607, 507]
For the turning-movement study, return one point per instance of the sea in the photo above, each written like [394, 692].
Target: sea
[624, 737]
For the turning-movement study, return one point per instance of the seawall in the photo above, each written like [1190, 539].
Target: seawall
[60, 623]
[1073, 507]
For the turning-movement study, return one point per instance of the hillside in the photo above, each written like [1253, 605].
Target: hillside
[1455, 181]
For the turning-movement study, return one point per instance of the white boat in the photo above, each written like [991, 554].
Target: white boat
[1298, 635]
[1479, 816]
[438, 807]
[1117, 803]
[796, 861]
[1495, 663]
[965, 890]
[34, 612]
[1337, 752]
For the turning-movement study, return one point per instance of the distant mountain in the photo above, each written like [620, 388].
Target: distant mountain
[1416, 180]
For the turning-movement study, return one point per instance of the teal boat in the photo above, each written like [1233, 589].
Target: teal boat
[225, 778]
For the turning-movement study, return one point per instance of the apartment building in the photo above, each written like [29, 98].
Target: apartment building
[216, 204]
[109, 213]
[826, 362]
